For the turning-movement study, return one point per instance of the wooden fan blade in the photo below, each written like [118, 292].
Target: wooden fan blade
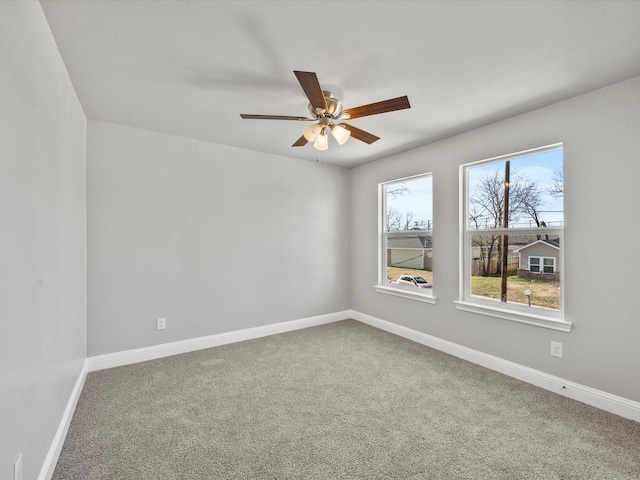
[311, 86]
[301, 142]
[361, 135]
[275, 117]
[390, 105]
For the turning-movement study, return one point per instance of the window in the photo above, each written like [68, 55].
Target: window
[512, 217]
[534, 264]
[406, 229]
[548, 264]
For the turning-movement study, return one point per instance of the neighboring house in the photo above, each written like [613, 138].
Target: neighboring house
[409, 252]
[540, 260]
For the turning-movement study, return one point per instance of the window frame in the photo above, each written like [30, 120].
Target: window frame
[532, 264]
[541, 265]
[553, 264]
[538, 316]
[538, 258]
[423, 295]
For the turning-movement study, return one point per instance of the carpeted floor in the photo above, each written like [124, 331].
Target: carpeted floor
[339, 401]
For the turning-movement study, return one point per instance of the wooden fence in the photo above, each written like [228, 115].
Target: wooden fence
[478, 266]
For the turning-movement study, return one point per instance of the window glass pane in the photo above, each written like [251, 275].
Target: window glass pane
[409, 205]
[411, 256]
[487, 262]
[407, 230]
[535, 187]
[534, 264]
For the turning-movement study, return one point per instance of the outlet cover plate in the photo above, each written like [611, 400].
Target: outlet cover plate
[161, 323]
[556, 349]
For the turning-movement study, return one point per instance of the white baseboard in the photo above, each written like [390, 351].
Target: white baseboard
[591, 396]
[128, 357]
[49, 465]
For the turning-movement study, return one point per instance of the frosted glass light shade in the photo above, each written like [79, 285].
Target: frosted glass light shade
[322, 141]
[311, 132]
[340, 133]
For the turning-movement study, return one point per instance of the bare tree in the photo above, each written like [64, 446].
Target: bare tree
[394, 220]
[484, 242]
[487, 207]
[487, 202]
[487, 210]
[401, 221]
[408, 220]
[557, 189]
[397, 191]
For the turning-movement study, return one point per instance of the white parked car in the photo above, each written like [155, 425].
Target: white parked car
[413, 280]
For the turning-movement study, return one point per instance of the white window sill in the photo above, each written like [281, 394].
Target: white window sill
[410, 294]
[515, 316]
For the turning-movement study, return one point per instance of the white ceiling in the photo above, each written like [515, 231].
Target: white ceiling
[189, 68]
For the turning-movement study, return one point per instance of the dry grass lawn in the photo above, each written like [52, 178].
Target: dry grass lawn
[543, 294]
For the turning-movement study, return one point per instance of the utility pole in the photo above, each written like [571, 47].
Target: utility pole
[505, 238]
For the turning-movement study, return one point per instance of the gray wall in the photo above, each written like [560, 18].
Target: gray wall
[213, 238]
[602, 168]
[42, 238]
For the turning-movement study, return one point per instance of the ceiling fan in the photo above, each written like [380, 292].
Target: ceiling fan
[326, 110]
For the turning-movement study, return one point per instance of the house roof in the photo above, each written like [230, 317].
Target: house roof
[555, 243]
[417, 242]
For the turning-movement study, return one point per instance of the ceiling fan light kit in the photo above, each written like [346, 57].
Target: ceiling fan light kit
[322, 141]
[311, 132]
[325, 109]
[340, 133]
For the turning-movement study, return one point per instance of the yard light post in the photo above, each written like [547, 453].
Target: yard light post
[527, 294]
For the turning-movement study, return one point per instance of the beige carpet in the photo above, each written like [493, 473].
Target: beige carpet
[340, 401]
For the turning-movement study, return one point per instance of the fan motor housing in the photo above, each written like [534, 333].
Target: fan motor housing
[333, 106]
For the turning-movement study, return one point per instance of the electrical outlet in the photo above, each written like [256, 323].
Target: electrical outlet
[17, 468]
[161, 323]
[556, 349]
